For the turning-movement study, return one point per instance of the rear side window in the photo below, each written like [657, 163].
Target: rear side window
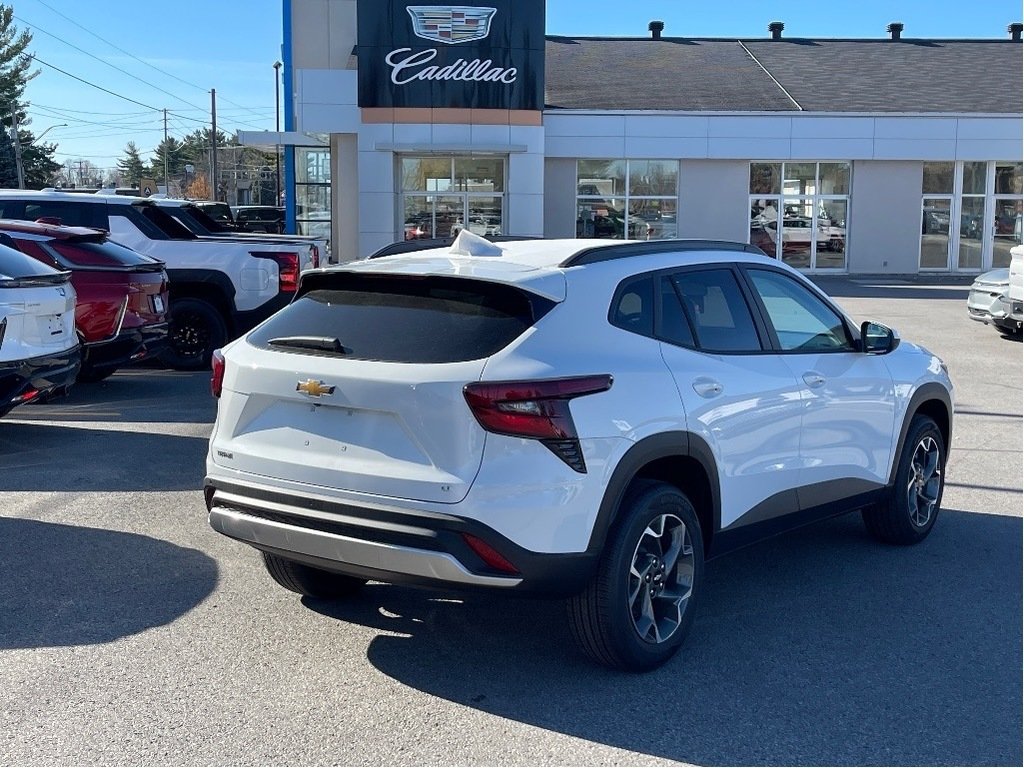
[401, 319]
[633, 306]
[15, 264]
[69, 214]
[715, 305]
[93, 254]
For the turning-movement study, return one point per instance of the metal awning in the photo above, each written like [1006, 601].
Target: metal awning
[271, 139]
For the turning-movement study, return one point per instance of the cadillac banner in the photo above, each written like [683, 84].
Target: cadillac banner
[488, 56]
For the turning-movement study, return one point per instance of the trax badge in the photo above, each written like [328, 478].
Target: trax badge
[314, 388]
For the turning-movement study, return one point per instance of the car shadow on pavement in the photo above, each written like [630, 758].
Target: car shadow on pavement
[36, 456]
[820, 647]
[133, 395]
[65, 585]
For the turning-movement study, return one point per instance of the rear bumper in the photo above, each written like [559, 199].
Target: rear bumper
[23, 381]
[130, 346]
[406, 547]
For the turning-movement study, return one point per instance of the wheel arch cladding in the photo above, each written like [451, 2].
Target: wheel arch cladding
[680, 459]
[931, 400]
[213, 287]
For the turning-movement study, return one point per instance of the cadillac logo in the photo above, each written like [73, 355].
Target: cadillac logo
[451, 24]
[314, 388]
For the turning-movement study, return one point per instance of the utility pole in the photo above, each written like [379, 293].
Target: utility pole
[213, 141]
[167, 187]
[17, 146]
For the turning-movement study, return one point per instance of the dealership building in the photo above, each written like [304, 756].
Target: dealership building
[891, 155]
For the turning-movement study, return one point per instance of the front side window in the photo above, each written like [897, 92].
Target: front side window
[717, 310]
[801, 321]
[799, 212]
[627, 199]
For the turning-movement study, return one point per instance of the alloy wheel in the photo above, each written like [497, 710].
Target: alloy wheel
[661, 578]
[925, 481]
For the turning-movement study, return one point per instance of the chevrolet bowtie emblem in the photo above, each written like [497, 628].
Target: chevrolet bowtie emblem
[314, 388]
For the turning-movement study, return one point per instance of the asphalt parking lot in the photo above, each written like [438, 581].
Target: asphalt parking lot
[131, 633]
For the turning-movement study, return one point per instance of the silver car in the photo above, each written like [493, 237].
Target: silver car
[985, 301]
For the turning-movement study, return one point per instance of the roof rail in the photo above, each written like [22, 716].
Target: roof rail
[601, 253]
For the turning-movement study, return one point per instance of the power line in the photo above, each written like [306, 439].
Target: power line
[132, 55]
[93, 85]
[102, 61]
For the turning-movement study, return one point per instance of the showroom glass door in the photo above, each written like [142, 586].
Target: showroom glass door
[1006, 229]
[443, 195]
[990, 214]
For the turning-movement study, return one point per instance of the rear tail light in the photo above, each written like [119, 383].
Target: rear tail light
[287, 269]
[217, 380]
[3, 330]
[316, 257]
[536, 409]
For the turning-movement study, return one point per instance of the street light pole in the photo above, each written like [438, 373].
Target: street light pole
[277, 130]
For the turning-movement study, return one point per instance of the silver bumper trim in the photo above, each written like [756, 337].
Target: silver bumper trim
[344, 549]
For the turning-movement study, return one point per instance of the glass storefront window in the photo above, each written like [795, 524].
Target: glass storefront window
[804, 226]
[646, 209]
[972, 231]
[938, 178]
[605, 178]
[974, 178]
[936, 215]
[1008, 179]
[444, 195]
[765, 178]
[1007, 230]
[313, 191]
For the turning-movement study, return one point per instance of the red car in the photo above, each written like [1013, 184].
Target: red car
[121, 314]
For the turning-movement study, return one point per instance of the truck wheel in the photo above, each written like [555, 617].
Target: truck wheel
[909, 513]
[311, 582]
[638, 609]
[196, 330]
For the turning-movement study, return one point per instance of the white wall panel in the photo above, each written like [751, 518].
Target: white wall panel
[529, 136]
[525, 215]
[832, 149]
[750, 127]
[748, 148]
[999, 149]
[666, 126]
[577, 146]
[584, 125]
[328, 118]
[559, 197]
[443, 133]
[915, 128]
[412, 133]
[376, 172]
[884, 232]
[525, 174]
[833, 127]
[654, 148]
[329, 86]
[713, 199]
[489, 135]
[990, 128]
[915, 149]
[371, 134]
[377, 213]
[373, 241]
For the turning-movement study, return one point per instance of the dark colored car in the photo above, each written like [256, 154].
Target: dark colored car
[260, 218]
[219, 212]
[121, 311]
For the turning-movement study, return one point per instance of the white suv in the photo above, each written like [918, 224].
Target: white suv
[591, 419]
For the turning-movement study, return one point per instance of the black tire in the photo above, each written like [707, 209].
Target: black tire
[196, 330]
[308, 581]
[907, 516]
[606, 624]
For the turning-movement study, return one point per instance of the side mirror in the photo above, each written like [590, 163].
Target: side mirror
[876, 339]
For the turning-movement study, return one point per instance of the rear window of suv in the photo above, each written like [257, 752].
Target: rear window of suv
[402, 319]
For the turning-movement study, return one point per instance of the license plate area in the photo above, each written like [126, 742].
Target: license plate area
[54, 325]
[158, 304]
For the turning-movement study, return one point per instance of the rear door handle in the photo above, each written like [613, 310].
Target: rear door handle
[814, 379]
[706, 387]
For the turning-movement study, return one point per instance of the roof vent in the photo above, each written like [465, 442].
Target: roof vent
[895, 30]
[776, 28]
[656, 28]
[1015, 29]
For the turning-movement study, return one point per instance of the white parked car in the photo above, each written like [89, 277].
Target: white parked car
[39, 352]
[565, 418]
[988, 301]
[1011, 301]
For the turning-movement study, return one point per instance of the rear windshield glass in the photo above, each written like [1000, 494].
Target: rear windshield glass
[15, 264]
[92, 254]
[402, 320]
[167, 224]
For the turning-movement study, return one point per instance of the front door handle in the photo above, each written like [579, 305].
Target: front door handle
[814, 379]
[706, 387]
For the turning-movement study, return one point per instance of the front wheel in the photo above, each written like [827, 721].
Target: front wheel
[637, 611]
[195, 330]
[908, 515]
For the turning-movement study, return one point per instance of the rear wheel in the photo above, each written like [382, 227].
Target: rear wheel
[638, 609]
[308, 581]
[196, 330]
[909, 513]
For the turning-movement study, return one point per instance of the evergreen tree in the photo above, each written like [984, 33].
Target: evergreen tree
[176, 157]
[8, 169]
[131, 166]
[15, 72]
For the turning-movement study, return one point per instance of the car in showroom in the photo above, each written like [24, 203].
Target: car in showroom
[39, 351]
[122, 296]
[589, 420]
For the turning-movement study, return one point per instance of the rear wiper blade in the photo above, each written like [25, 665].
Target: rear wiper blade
[320, 343]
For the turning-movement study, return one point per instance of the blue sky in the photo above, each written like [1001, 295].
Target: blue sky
[231, 45]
